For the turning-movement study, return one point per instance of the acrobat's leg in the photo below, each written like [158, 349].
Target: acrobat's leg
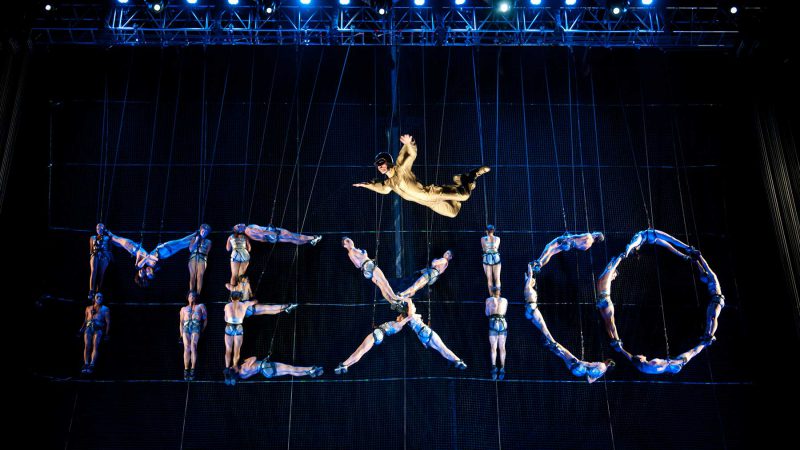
[193, 347]
[96, 339]
[187, 350]
[501, 347]
[235, 272]
[169, 248]
[260, 310]
[243, 268]
[237, 348]
[293, 238]
[493, 348]
[606, 308]
[97, 265]
[691, 353]
[447, 208]
[419, 284]
[366, 345]
[201, 272]
[379, 279]
[228, 351]
[496, 274]
[665, 238]
[635, 244]
[87, 348]
[286, 369]
[712, 315]
[193, 274]
[487, 269]
[437, 344]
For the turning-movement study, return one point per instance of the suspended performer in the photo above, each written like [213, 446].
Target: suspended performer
[429, 274]
[408, 315]
[709, 278]
[565, 243]
[275, 235]
[199, 247]
[148, 263]
[604, 304]
[496, 307]
[239, 246]
[270, 369]
[95, 329]
[243, 286]
[656, 237]
[445, 200]
[490, 244]
[591, 370]
[235, 312]
[658, 366]
[369, 269]
[100, 257]
[192, 322]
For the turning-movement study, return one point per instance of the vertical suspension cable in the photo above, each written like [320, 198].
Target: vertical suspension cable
[480, 128]
[119, 141]
[603, 222]
[247, 133]
[153, 135]
[171, 146]
[570, 78]
[207, 188]
[263, 141]
[527, 157]
[555, 144]
[101, 179]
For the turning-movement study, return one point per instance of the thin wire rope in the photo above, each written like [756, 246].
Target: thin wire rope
[652, 218]
[480, 128]
[570, 80]
[527, 156]
[203, 137]
[119, 140]
[555, 144]
[428, 212]
[153, 135]
[605, 233]
[325, 139]
[378, 212]
[247, 134]
[497, 182]
[261, 147]
[207, 188]
[171, 147]
[103, 152]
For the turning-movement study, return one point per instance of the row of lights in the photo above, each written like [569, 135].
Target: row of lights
[504, 6]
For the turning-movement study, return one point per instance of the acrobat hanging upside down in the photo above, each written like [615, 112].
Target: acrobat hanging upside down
[445, 200]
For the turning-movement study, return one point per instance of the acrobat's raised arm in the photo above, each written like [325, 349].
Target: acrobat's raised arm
[375, 186]
[408, 154]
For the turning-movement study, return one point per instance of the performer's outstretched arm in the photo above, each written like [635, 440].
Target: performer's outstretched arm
[376, 186]
[408, 154]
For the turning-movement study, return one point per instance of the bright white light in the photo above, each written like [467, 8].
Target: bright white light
[48, 7]
[233, 2]
[570, 2]
[504, 7]
[269, 9]
[616, 10]
[122, 1]
[381, 11]
[344, 2]
[419, 2]
[460, 2]
[305, 2]
[191, 2]
[157, 7]
[734, 10]
[536, 2]
[647, 2]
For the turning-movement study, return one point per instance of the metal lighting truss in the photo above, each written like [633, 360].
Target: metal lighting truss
[182, 24]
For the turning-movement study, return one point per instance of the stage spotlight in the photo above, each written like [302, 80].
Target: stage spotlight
[536, 2]
[504, 6]
[344, 2]
[191, 2]
[48, 7]
[155, 5]
[460, 2]
[647, 2]
[419, 2]
[381, 10]
[305, 2]
[122, 2]
[570, 2]
[734, 10]
[617, 7]
[233, 2]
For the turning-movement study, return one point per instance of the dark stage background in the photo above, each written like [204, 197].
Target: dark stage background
[155, 141]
